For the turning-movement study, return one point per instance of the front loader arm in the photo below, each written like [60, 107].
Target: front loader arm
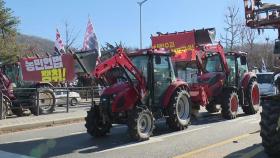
[120, 59]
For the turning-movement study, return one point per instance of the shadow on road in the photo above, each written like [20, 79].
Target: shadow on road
[79, 143]
[255, 151]
[82, 143]
[207, 118]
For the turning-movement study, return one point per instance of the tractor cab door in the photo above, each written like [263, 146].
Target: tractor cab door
[162, 76]
[242, 67]
[232, 65]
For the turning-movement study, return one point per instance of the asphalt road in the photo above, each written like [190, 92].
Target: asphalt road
[209, 136]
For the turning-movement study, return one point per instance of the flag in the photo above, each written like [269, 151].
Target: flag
[263, 66]
[59, 46]
[90, 40]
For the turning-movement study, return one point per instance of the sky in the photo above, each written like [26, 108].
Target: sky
[118, 20]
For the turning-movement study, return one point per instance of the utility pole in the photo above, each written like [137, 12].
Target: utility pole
[140, 6]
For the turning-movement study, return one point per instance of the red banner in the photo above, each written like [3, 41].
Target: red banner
[182, 44]
[49, 69]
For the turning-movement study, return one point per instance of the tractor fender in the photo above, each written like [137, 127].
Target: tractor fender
[246, 79]
[171, 89]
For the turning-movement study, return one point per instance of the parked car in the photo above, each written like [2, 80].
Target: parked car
[266, 82]
[61, 97]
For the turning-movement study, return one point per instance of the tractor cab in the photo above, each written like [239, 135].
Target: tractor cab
[213, 72]
[156, 67]
[237, 63]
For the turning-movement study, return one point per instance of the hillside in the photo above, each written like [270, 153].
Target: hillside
[35, 44]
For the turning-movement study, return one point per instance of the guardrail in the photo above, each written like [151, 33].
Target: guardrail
[37, 98]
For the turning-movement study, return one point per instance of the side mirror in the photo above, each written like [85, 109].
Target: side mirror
[243, 60]
[158, 60]
[277, 47]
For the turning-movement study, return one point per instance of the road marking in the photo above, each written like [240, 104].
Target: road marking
[249, 120]
[257, 121]
[24, 140]
[12, 155]
[76, 133]
[213, 146]
[152, 140]
[236, 120]
[181, 132]
[253, 152]
[120, 126]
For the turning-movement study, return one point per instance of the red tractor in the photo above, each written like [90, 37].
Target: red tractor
[139, 89]
[214, 83]
[225, 80]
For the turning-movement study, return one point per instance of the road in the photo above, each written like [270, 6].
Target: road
[208, 136]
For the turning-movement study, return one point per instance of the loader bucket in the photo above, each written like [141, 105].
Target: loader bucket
[87, 60]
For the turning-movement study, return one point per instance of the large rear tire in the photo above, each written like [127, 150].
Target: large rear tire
[94, 123]
[46, 102]
[270, 127]
[179, 111]
[140, 123]
[253, 98]
[230, 105]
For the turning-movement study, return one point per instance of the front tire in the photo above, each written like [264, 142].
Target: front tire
[73, 102]
[230, 105]
[270, 127]
[94, 123]
[140, 123]
[179, 111]
[253, 97]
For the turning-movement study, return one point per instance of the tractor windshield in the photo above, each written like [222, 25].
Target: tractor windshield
[213, 63]
[141, 62]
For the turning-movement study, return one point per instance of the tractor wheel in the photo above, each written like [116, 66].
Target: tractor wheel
[230, 105]
[253, 96]
[212, 108]
[4, 108]
[140, 123]
[94, 123]
[270, 128]
[46, 102]
[179, 111]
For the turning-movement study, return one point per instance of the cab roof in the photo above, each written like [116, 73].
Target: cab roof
[236, 53]
[150, 52]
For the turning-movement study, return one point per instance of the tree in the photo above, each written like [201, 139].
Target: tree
[70, 37]
[8, 24]
[250, 37]
[232, 28]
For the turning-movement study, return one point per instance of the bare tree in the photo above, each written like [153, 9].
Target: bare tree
[232, 28]
[250, 37]
[70, 36]
[242, 34]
